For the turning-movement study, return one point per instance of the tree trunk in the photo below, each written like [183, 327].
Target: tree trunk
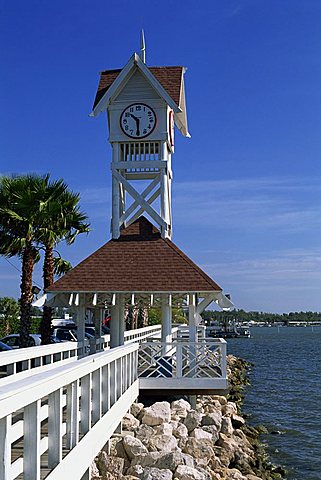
[26, 295]
[48, 279]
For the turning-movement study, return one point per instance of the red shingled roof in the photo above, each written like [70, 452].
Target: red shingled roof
[138, 261]
[169, 77]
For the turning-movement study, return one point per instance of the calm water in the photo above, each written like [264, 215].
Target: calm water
[285, 394]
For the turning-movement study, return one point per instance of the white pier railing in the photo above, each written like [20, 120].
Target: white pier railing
[53, 423]
[183, 365]
[20, 360]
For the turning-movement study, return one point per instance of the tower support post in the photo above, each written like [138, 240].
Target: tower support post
[114, 324]
[116, 199]
[121, 318]
[166, 334]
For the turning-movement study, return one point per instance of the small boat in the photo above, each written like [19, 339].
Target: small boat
[230, 331]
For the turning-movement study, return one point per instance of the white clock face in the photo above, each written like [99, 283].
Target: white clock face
[138, 120]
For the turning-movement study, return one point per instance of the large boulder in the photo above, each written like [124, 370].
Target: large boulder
[183, 472]
[193, 420]
[220, 398]
[130, 423]
[135, 471]
[152, 473]
[158, 413]
[170, 460]
[214, 418]
[109, 465]
[200, 450]
[229, 409]
[136, 408]
[213, 431]
[144, 432]
[180, 430]
[179, 408]
[237, 420]
[235, 474]
[147, 460]
[227, 427]
[162, 443]
[199, 434]
[164, 429]
[94, 472]
[133, 447]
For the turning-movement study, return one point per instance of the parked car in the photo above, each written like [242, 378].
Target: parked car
[35, 339]
[69, 334]
[4, 347]
[13, 340]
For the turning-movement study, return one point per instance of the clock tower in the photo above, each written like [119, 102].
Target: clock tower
[142, 104]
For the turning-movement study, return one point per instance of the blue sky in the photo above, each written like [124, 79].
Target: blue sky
[247, 185]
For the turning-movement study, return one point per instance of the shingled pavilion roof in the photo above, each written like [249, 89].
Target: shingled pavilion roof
[169, 77]
[140, 260]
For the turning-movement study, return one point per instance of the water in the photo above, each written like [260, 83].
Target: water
[285, 394]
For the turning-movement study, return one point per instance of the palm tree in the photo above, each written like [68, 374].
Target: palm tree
[34, 213]
[19, 220]
[61, 220]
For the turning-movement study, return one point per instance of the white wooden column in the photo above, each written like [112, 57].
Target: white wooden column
[115, 229]
[164, 194]
[81, 319]
[114, 324]
[98, 318]
[166, 319]
[192, 318]
[121, 319]
[192, 333]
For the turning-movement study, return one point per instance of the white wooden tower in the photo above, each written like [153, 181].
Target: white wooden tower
[143, 104]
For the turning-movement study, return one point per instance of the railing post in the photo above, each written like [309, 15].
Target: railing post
[96, 396]
[31, 444]
[223, 359]
[85, 404]
[5, 447]
[119, 377]
[179, 360]
[72, 414]
[105, 389]
[113, 391]
[54, 429]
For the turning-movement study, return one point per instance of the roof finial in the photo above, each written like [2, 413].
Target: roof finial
[142, 47]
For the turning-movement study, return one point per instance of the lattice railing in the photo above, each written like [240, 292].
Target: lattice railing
[205, 359]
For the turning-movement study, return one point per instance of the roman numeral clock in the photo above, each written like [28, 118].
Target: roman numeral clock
[143, 104]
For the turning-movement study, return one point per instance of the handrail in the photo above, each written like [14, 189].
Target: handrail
[29, 358]
[82, 403]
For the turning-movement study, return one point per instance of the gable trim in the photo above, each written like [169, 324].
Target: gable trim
[123, 77]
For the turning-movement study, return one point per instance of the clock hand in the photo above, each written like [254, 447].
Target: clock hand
[137, 120]
[137, 126]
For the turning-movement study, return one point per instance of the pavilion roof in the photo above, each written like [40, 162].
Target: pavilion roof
[140, 260]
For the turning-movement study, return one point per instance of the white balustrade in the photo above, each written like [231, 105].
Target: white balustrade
[186, 365]
[53, 423]
[140, 334]
[23, 359]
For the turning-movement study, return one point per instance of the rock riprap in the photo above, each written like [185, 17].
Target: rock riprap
[173, 441]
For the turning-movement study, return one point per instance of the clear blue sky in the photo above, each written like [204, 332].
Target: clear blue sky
[247, 185]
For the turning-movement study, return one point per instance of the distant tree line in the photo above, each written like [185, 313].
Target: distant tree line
[243, 316]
